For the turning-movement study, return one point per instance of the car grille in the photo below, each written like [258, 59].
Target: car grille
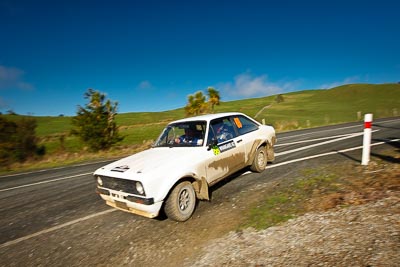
[118, 184]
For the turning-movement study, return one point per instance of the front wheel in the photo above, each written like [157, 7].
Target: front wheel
[260, 160]
[181, 202]
[270, 153]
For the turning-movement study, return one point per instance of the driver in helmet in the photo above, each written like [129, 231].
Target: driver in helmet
[191, 136]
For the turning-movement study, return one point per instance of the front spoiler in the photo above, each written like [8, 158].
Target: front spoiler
[141, 206]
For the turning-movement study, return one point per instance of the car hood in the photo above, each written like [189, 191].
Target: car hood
[152, 162]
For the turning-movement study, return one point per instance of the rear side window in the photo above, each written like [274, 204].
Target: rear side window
[244, 125]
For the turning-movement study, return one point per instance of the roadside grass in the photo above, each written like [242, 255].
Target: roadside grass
[326, 187]
[65, 158]
[287, 201]
[299, 110]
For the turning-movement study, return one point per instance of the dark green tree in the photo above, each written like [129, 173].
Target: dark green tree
[95, 123]
[7, 141]
[18, 141]
[279, 99]
[25, 139]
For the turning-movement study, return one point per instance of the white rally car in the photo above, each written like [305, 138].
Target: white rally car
[188, 157]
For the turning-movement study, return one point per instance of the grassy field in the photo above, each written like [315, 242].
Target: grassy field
[299, 110]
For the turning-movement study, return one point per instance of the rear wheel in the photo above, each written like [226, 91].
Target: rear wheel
[260, 160]
[181, 202]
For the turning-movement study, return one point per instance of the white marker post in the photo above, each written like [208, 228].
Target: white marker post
[367, 139]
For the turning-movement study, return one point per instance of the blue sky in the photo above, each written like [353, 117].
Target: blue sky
[150, 55]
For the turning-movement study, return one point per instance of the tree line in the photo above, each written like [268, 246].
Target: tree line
[18, 141]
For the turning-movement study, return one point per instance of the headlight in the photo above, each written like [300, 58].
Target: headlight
[99, 181]
[139, 188]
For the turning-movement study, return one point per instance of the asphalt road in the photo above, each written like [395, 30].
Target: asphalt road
[54, 218]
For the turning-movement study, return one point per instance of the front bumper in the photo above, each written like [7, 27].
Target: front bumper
[126, 202]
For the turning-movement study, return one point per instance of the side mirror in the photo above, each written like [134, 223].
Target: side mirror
[213, 143]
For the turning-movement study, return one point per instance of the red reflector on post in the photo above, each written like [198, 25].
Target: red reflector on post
[366, 139]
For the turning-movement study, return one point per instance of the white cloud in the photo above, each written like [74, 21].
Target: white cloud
[145, 85]
[349, 80]
[3, 103]
[12, 78]
[247, 85]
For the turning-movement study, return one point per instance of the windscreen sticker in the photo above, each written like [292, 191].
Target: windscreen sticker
[238, 122]
[123, 168]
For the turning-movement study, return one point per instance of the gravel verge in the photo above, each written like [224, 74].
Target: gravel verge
[364, 235]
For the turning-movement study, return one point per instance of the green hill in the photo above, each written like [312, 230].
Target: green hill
[341, 104]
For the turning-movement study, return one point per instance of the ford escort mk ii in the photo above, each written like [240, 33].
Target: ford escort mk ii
[188, 157]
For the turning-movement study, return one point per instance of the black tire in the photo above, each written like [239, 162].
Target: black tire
[181, 202]
[260, 160]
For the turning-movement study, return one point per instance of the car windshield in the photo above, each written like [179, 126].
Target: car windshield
[189, 133]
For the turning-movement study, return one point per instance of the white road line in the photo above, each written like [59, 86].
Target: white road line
[45, 182]
[327, 154]
[32, 172]
[346, 136]
[319, 144]
[52, 169]
[316, 132]
[313, 140]
[382, 122]
[45, 231]
[334, 129]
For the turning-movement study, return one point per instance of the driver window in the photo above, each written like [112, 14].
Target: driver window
[222, 129]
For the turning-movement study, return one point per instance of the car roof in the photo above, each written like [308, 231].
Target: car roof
[209, 117]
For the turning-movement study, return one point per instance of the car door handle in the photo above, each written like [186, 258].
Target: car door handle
[238, 141]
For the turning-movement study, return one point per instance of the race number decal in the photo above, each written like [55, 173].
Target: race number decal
[218, 149]
[227, 146]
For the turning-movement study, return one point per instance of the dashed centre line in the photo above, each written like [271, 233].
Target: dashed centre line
[45, 182]
[48, 230]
